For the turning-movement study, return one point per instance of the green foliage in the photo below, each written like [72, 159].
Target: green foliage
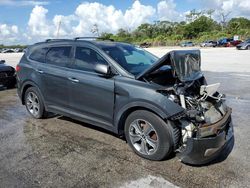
[238, 25]
[241, 22]
[201, 24]
[199, 27]
[13, 46]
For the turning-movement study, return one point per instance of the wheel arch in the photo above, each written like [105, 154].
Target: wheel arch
[27, 85]
[128, 109]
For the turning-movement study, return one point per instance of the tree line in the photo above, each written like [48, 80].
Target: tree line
[199, 26]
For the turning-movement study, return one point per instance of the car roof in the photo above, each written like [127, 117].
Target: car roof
[98, 43]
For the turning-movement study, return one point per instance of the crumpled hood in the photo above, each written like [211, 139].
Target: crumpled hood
[185, 65]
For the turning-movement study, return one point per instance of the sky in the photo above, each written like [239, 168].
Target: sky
[29, 21]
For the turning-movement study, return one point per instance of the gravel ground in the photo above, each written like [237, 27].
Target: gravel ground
[60, 152]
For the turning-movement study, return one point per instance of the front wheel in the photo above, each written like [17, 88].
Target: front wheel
[149, 136]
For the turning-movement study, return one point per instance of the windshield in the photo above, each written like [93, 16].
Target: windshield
[133, 59]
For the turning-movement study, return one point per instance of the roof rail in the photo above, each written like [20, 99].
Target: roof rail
[77, 38]
[48, 40]
[94, 38]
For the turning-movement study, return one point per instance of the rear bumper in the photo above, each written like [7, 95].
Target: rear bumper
[201, 151]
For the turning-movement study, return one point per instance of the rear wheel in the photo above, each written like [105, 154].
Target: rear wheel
[34, 103]
[149, 136]
[248, 47]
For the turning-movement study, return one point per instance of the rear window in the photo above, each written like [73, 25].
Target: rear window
[39, 54]
[59, 56]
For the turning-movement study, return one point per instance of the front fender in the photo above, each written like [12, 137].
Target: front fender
[130, 93]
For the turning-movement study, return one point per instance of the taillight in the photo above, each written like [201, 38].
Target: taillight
[18, 68]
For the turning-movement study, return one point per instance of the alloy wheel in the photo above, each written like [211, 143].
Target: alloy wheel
[32, 103]
[143, 137]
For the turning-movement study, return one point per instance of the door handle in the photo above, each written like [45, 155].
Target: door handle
[73, 80]
[39, 71]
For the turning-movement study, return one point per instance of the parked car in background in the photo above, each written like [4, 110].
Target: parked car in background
[145, 45]
[234, 43]
[8, 51]
[12, 50]
[244, 45]
[224, 42]
[160, 105]
[187, 44]
[208, 43]
[7, 76]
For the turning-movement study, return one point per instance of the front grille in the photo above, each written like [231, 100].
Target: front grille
[6, 74]
[3, 75]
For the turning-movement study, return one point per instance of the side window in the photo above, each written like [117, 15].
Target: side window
[59, 56]
[39, 54]
[86, 59]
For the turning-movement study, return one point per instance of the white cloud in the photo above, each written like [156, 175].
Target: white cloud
[38, 24]
[167, 11]
[236, 8]
[66, 23]
[107, 18]
[22, 2]
[82, 21]
[138, 14]
[8, 33]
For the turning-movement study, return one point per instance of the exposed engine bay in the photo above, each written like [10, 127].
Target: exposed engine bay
[203, 105]
[205, 113]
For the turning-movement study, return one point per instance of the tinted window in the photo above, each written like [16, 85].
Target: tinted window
[59, 55]
[86, 59]
[39, 54]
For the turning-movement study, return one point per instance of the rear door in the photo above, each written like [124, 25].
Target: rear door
[54, 76]
[91, 94]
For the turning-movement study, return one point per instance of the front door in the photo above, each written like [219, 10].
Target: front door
[92, 95]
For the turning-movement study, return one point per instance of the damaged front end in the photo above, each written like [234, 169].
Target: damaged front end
[205, 124]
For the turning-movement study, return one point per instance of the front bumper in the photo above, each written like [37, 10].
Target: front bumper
[8, 81]
[241, 47]
[199, 151]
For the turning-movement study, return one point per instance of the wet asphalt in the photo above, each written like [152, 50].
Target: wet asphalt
[61, 152]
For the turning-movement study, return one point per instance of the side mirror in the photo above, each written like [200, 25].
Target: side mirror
[103, 69]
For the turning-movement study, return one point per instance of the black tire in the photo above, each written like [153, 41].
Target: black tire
[167, 134]
[42, 113]
[248, 47]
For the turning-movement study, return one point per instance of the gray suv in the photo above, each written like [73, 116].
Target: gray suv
[160, 106]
